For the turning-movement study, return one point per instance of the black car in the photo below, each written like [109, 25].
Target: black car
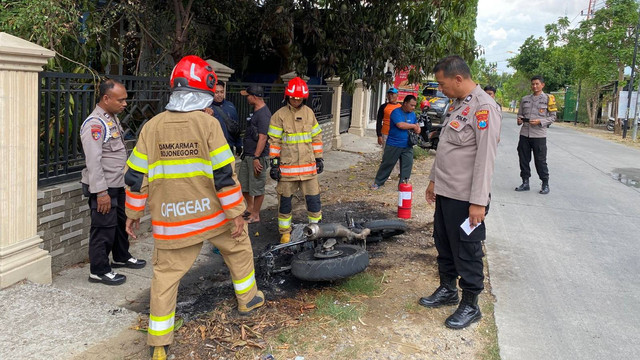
[438, 101]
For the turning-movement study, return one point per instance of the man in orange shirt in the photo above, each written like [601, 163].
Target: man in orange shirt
[384, 115]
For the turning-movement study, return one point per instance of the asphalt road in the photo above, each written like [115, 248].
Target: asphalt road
[565, 266]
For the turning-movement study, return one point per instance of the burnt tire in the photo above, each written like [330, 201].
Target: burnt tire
[384, 229]
[354, 259]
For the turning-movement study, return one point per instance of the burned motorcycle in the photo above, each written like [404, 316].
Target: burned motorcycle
[331, 251]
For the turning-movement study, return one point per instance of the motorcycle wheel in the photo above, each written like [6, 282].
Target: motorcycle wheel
[354, 259]
[384, 229]
[611, 125]
[435, 143]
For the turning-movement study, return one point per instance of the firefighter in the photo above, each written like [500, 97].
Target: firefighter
[183, 165]
[296, 155]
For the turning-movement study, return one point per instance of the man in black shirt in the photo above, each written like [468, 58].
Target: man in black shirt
[255, 160]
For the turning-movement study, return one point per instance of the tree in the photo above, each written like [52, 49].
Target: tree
[349, 38]
[549, 61]
[603, 46]
[486, 73]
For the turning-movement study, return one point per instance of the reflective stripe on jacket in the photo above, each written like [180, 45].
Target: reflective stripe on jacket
[296, 138]
[186, 169]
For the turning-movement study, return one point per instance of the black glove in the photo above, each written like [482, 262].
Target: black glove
[319, 165]
[275, 169]
[238, 150]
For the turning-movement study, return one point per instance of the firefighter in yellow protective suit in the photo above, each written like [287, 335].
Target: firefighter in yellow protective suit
[182, 168]
[296, 155]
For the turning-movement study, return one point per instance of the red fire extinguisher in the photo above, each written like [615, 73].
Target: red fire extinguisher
[405, 191]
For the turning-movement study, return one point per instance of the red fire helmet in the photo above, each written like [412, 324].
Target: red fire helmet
[193, 73]
[297, 88]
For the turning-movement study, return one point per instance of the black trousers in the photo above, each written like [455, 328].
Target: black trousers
[459, 254]
[539, 147]
[108, 234]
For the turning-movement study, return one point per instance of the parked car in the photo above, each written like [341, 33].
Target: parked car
[439, 102]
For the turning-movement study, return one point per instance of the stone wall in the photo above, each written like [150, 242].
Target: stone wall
[327, 135]
[63, 223]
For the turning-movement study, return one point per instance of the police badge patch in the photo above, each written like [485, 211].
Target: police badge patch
[454, 124]
[482, 119]
[96, 132]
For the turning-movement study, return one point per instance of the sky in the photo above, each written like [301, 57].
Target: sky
[503, 25]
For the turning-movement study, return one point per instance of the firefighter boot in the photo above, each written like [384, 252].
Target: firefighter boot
[445, 294]
[524, 186]
[285, 238]
[467, 312]
[159, 352]
[256, 302]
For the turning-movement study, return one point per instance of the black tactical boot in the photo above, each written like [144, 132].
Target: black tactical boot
[467, 312]
[524, 186]
[545, 188]
[445, 294]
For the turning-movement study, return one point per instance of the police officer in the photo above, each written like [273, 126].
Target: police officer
[295, 148]
[460, 184]
[183, 163]
[103, 183]
[537, 112]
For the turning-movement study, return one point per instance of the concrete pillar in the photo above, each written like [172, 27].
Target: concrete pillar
[288, 76]
[366, 107]
[223, 72]
[357, 110]
[336, 101]
[20, 254]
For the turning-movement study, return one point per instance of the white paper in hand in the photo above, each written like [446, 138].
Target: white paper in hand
[466, 226]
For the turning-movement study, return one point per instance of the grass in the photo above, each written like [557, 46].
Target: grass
[339, 306]
[489, 331]
[420, 153]
[294, 339]
[411, 307]
[361, 284]
[340, 310]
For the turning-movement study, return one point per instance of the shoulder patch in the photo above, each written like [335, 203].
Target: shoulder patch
[96, 132]
[482, 119]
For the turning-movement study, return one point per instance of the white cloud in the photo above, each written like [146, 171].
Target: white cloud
[503, 25]
[500, 34]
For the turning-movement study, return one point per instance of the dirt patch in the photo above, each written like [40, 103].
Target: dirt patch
[602, 132]
[389, 325]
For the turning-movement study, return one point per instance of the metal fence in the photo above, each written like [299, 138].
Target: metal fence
[67, 99]
[346, 104]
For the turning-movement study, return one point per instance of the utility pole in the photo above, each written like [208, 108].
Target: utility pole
[630, 87]
[575, 117]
